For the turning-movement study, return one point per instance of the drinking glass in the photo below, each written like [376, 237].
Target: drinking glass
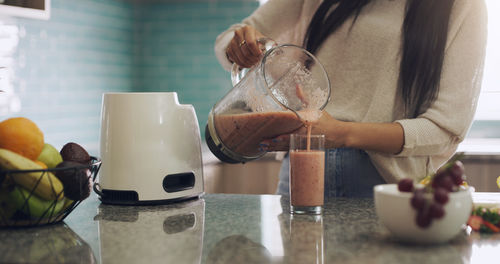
[307, 173]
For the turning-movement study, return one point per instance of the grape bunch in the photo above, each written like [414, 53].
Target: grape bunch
[448, 178]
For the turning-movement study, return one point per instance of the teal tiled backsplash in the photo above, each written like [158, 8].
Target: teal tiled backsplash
[58, 69]
[176, 50]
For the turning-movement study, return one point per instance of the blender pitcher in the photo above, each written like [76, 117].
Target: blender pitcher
[286, 89]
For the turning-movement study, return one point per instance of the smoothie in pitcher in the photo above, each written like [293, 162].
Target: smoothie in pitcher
[242, 133]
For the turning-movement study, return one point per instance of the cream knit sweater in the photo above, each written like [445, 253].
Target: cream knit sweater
[363, 67]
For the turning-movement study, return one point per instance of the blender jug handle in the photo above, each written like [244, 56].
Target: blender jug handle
[237, 73]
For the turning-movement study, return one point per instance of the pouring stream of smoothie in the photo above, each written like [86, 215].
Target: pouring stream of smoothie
[309, 128]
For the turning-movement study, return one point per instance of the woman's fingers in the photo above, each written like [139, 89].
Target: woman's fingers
[243, 48]
[280, 143]
[234, 51]
[252, 47]
[236, 46]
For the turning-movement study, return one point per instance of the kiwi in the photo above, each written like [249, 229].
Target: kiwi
[76, 182]
[74, 152]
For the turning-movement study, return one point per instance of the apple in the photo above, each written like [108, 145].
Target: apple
[50, 156]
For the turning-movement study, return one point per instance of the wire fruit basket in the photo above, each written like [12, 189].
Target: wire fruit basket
[48, 201]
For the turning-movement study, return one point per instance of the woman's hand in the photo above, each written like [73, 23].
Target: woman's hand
[381, 137]
[333, 129]
[243, 48]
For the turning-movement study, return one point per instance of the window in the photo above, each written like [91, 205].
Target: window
[484, 135]
[489, 106]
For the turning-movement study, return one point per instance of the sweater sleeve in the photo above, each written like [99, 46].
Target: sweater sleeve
[275, 19]
[446, 122]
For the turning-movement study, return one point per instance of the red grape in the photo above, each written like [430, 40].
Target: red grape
[457, 180]
[418, 199]
[405, 185]
[423, 218]
[445, 182]
[457, 168]
[436, 180]
[436, 210]
[441, 195]
[447, 179]
[457, 172]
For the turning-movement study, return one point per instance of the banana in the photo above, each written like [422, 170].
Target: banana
[48, 186]
[35, 207]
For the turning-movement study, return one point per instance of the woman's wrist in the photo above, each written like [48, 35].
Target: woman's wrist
[338, 134]
[382, 137]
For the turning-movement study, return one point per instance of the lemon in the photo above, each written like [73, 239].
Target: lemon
[498, 181]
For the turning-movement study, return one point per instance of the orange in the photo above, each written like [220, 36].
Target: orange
[22, 136]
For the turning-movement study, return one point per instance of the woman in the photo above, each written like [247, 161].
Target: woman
[405, 80]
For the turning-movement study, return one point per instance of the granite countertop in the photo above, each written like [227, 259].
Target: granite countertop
[223, 228]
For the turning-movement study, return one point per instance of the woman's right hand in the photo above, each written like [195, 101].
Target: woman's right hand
[243, 48]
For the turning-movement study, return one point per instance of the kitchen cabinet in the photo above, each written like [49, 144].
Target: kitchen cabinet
[256, 177]
[260, 176]
[229, 228]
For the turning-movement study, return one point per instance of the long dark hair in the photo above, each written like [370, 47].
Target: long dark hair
[425, 31]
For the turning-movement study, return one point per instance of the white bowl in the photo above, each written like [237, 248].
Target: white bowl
[396, 213]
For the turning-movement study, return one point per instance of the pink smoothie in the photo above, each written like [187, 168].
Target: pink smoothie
[307, 177]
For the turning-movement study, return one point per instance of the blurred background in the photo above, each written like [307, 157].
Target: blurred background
[57, 69]
[55, 64]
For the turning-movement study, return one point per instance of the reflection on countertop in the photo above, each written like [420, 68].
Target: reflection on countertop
[226, 228]
[147, 234]
[49, 244]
